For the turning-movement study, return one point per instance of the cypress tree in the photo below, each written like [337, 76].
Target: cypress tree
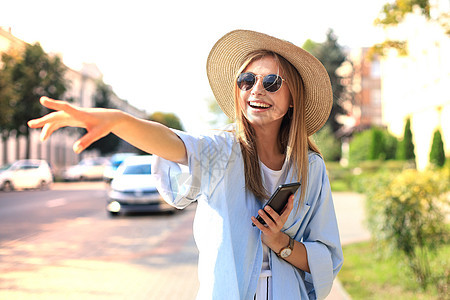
[406, 146]
[437, 154]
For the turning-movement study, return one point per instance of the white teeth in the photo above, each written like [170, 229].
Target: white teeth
[259, 104]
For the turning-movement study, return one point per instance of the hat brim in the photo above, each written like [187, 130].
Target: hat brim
[226, 57]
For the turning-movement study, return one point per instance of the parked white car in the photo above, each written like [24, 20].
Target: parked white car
[26, 174]
[87, 169]
[133, 188]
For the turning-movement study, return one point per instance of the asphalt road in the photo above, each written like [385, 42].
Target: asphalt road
[30, 212]
[62, 244]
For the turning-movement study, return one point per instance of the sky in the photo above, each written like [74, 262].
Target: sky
[153, 53]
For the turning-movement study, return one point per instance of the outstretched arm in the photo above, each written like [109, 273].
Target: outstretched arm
[148, 136]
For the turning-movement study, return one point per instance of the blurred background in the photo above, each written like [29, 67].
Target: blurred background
[386, 60]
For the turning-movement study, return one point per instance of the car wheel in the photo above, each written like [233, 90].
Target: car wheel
[7, 186]
[113, 214]
[43, 186]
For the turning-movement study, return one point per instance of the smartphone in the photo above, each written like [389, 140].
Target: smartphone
[279, 198]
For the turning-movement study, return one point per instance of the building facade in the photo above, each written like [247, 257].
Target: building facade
[367, 88]
[415, 86]
[57, 150]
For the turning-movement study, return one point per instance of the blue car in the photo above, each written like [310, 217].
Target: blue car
[115, 160]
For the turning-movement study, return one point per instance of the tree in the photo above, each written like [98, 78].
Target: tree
[393, 14]
[375, 143]
[329, 146]
[8, 99]
[437, 154]
[102, 98]
[33, 75]
[406, 146]
[168, 119]
[217, 118]
[331, 55]
[376, 149]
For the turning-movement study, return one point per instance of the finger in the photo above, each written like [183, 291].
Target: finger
[259, 225]
[265, 216]
[40, 122]
[86, 140]
[289, 206]
[48, 130]
[58, 105]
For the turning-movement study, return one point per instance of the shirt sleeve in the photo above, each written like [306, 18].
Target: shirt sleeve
[207, 161]
[321, 236]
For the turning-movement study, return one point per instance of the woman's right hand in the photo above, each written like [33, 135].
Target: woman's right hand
[97, 121]
[148, 136]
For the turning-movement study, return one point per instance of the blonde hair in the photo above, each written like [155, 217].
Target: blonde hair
[292, 138]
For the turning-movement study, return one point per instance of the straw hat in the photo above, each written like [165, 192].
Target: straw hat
[226, 57]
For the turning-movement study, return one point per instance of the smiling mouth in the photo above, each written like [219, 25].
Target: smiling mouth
[259, 105]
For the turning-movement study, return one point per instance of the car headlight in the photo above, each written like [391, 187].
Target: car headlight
[113, 206]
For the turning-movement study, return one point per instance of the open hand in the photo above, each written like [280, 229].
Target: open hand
[97, 121]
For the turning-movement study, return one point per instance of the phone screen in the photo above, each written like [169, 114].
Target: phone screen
[279, 198]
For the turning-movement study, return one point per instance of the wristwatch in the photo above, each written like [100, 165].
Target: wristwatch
[286, 251]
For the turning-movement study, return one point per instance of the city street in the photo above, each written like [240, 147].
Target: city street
[61, 244]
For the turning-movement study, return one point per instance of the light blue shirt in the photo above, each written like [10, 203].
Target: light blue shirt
[230, 248]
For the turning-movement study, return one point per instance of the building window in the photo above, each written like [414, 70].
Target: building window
[375, 69]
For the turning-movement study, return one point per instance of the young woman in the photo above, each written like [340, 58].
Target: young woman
[279, 95]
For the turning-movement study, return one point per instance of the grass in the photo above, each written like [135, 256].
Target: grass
[367, 276]
[339, 186]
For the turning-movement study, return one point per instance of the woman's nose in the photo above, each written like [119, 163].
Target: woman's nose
[258, 86]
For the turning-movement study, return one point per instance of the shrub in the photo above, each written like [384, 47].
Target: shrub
[328, 144]
[437, 154]
[406, 145]
[360, 147]
[372, 144]
[406, 212]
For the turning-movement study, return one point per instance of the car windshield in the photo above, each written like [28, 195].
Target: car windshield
[138, 169]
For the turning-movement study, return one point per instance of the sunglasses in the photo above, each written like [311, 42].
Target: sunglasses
[271, 82]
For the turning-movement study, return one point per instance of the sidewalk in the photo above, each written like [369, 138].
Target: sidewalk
[350, 215]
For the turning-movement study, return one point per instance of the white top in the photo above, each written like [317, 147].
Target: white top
[271, 179]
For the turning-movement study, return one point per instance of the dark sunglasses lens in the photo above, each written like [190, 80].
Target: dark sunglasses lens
[272, 83]
[246, 81]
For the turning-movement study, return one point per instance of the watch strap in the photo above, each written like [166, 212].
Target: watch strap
[289, 246]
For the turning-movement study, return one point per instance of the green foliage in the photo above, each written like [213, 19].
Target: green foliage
[8, 97]
[359, 147]
[406, 212]
[376, 144]
[36, 74]
[168, 119]
[372, 144]
[437, 154]
[218, 118]
[331, 55]
[328, 144]
[102, 98]
[103, 94]
[382, 48]
[25, 77]
[405, 150]
[365, 275]
[394, 13]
